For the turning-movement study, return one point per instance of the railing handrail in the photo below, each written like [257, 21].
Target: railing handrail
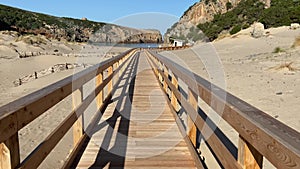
[17, 114]
[279, 143]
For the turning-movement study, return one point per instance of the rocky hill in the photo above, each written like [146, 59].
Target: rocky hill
[69, 29]
[199, 13]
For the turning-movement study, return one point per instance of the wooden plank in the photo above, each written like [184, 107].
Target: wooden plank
[248, 157]
[191, 145]
[137, 154]
[262, 131]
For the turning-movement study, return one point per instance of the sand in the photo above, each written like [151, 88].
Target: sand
[252, 72]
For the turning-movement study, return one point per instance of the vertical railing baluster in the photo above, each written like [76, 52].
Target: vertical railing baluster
[166, 72]
[10, 153]
[248, 156]
[99, 81]
[173, 97]
[192, 130]
[77, 97]
[110, 83]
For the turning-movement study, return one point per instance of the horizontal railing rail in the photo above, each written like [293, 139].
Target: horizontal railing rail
[260, 135]
[17, 114]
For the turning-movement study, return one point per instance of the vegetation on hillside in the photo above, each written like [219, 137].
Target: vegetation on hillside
[281, 12]
[25, 21]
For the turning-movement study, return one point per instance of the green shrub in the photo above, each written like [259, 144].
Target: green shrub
[228, 5]
[281, 12]
[235, 29]
[278, 50]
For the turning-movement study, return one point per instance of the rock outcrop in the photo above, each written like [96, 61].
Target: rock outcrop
[118, 34]
[201, 12]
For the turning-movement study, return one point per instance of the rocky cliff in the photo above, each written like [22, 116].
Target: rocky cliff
[69, 29]
[118, 34]
[198, 13]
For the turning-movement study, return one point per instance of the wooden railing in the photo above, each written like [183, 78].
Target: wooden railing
[260, 135]
[169, 48]
[17, 114]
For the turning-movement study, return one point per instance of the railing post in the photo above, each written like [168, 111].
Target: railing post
[173, 97]
[99, 81]
[110, 83]
[192, 130]
[248, 156]
[10, 153]
[165, 82]
[77, 97]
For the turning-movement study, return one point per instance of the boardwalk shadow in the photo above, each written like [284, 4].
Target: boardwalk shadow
[114, 156]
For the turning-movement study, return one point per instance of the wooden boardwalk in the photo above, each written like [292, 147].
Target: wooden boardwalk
[137, 130]
[135, 124]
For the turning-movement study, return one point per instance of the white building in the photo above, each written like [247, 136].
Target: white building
[177, 42]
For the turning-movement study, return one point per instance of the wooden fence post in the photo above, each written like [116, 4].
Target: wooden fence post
[110, 83]
[10, 153]
[248, 156]
[165, 82]
[99, 81]
[77, 97]
[173, 97]
[192, 130]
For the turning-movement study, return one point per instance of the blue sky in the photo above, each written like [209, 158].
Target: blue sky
[154, 14]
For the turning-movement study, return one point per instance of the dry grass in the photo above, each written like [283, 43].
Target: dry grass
[287, 66]
[296, 42]
[32, 39]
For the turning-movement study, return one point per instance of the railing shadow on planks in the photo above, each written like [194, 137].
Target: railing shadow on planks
[19, 113]
[260, 135]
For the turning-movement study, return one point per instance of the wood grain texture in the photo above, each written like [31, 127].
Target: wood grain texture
[248, 157]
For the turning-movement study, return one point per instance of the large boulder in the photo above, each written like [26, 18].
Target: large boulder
[294, 26]
[258, 30]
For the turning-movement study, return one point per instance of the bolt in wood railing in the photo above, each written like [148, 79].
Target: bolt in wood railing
[17, 114]
[260, 135]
